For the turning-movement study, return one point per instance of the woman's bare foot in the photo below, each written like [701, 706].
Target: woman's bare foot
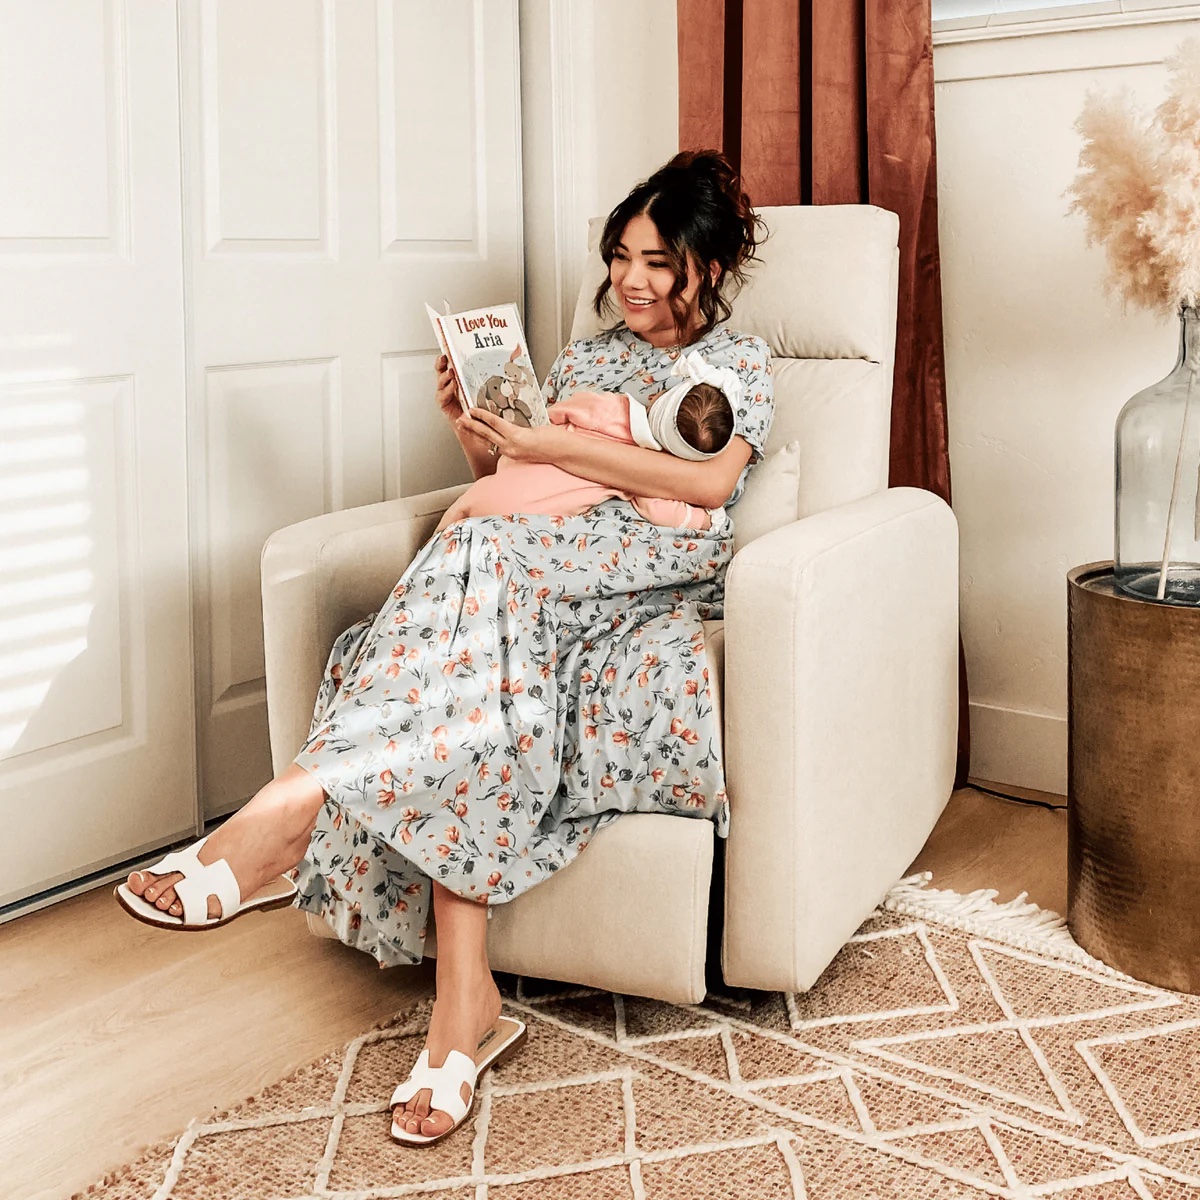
[465, 1009]
[261, 841]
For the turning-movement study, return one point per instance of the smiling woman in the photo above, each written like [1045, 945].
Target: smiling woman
[677, 249]
[529, 679]
[643, 278]
[672, 262]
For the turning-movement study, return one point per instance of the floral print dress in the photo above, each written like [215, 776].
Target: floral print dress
[529, 679]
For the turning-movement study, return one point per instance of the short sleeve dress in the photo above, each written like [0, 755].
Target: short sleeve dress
[528, 680]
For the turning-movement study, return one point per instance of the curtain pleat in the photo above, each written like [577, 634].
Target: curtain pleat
[770, 162]
[831, 102]
[902, 177]
[701, 87]
[837, 158]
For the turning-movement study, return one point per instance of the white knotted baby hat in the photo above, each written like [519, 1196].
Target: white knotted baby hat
[661, 417]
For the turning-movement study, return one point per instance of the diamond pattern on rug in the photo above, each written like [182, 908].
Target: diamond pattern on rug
[651, 1019]
[596, 1013]
[766, 1058]
[965, 1150]
[834, 1170]
[1030, 987]
[893, 1107]
[554, 1054]
[609, 1183]
[1150, 1077]
[366, 1157]
[1038, 1160]
[379, 1065]
[1167, 1189]
[763, 1010]
[556, 1126]
[759, 1171]
[279, 1162]
[1115, 1189]
[671, 1111]
[996, 1061]
[896, 973]
[1019, 1090]
[823, 1099]
[703, 1054]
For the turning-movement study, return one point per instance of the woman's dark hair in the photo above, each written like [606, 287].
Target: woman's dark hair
[697, 205]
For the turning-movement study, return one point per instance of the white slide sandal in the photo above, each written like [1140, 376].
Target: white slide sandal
[198, 883]
[499, 1044]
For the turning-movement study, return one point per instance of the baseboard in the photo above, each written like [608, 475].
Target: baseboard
[109, 873]
[1024, 749]
[104, 874]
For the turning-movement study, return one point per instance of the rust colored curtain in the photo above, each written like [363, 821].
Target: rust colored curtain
[831, 102]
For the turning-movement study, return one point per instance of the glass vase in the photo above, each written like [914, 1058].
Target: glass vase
[1157, 554]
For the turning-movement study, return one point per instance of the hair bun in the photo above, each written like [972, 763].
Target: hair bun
[710, 165]
[698, 206]
[706, 160]
[710, 171]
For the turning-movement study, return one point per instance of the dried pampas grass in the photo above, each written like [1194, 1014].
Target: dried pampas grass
[1138, 188]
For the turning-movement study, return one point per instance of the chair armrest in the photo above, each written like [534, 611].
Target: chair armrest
[841, 713]
[319, 577]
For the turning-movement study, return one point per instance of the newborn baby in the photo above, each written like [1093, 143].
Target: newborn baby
[692, 420]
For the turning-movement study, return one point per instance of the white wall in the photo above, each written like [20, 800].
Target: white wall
[1038, 364]
[600, 104]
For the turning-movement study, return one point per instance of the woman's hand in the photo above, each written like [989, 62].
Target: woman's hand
[541, 443]
[447, 389]
[481, 454]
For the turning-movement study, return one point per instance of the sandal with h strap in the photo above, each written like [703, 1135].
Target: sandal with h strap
[199, 882]
[499, 1044]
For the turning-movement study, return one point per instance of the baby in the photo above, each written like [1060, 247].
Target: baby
[692, 420]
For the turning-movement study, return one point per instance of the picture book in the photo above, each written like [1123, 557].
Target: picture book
[487, 348]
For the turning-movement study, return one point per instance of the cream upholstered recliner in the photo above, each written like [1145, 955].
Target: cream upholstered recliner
[836, 662]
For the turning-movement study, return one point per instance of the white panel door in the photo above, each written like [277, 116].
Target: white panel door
[97, 747]
[345, 161]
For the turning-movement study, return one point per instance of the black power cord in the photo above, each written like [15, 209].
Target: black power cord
[1017, 799]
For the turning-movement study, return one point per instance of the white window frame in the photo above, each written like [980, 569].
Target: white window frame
[1098, 14]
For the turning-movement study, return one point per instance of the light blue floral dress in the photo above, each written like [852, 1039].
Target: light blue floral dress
[529, 679]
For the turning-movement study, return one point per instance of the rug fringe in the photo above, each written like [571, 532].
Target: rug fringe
[1019, 922]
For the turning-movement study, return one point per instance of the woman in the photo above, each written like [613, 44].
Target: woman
[530, 677]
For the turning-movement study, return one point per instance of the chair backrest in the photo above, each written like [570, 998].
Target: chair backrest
[823, 297]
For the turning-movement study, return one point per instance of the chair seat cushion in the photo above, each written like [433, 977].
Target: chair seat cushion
[630, 914]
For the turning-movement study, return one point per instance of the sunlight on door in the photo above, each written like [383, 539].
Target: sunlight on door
[46, 550]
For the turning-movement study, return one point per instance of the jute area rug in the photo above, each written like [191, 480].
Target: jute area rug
[955, 1048]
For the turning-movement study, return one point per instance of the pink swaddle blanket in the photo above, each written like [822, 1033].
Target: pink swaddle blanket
[518, 487]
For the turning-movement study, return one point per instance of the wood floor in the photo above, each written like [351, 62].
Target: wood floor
[113, 1035]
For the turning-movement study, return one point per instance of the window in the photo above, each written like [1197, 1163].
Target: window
[1004, 12]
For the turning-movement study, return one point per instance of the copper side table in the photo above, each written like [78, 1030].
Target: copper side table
[1133, 805]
